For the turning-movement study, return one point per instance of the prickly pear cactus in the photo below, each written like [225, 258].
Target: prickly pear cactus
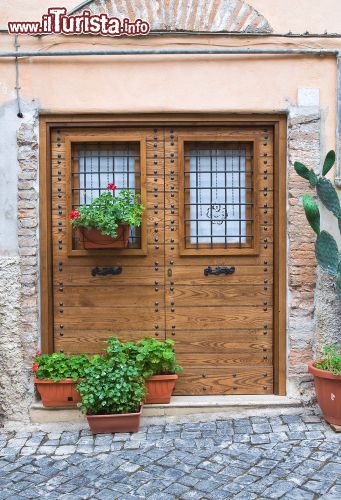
[327, 252]
[326, 249]
[328, 195]
[312, 212]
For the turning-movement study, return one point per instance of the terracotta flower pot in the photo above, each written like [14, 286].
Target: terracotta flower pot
[93, 238]
[58, 394]
[159, 388]
[124, 422]
[328, 393]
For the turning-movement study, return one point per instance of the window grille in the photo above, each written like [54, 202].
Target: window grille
[218, 195]
[95, 165]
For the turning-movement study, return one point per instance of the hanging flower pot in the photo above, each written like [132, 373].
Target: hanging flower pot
[159, 388]
[106, 222]
[93, 238]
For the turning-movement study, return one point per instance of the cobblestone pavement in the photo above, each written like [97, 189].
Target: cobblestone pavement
[292, 457]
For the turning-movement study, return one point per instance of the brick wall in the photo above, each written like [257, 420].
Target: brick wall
[186, 15]
[303, 146]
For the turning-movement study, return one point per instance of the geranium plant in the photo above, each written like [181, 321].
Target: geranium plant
[58, 366]
[111, 387]
[108, 211]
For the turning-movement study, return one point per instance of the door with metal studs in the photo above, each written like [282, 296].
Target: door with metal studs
[199, 270]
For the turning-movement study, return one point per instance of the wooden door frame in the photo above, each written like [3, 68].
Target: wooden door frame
[277, 121]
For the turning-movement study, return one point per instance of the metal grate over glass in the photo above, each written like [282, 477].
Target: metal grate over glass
[95, 165]
[218, 195]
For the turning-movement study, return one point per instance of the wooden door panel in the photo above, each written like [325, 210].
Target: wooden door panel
[88, 309]
[94, 341]
[114, 319]
[236, 380]
[226, 358]
[194, 275]
[217, 341]
[222, 295]
[218, 321]
[110, 296]
[109, 260]
[224, 318]
[81, 275]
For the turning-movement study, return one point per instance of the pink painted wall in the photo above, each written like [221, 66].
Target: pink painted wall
[178, 83]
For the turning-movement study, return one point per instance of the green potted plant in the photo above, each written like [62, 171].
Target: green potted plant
[56, 376]
[105, 223]
[326, 372]
[327, 376]
[157, 363]
[112, 392]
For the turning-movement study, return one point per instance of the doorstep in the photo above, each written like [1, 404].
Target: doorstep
[179, 405]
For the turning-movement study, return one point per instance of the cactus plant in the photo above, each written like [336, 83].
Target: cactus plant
[326, 249]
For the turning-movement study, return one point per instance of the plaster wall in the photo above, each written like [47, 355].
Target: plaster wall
[8, 179]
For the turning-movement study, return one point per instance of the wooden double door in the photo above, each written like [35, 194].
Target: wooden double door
[199, 270]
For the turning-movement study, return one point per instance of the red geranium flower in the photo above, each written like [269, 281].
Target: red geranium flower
[35, 367]
[111, 186]
[74, 214]
[38, 353]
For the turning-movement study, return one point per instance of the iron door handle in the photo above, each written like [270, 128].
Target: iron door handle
[105, 271]
[219, 270]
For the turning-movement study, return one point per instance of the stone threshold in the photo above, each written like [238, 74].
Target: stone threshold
[180, 405]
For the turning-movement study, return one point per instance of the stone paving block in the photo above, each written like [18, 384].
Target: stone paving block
[105, 494]
[28, 450]
[290, 419]
[299, 494]
[260, 439]
[314, 435]
[261, 428]
[311, 419]
[69, 438]
[207, 485]
[278, 489]
[65, 450]
[84, 448]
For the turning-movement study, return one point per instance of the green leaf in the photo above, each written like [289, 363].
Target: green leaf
[313, 179]
[327, 253]
[328, 196]
[328, 162]
[312, 212]
[302, 170]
